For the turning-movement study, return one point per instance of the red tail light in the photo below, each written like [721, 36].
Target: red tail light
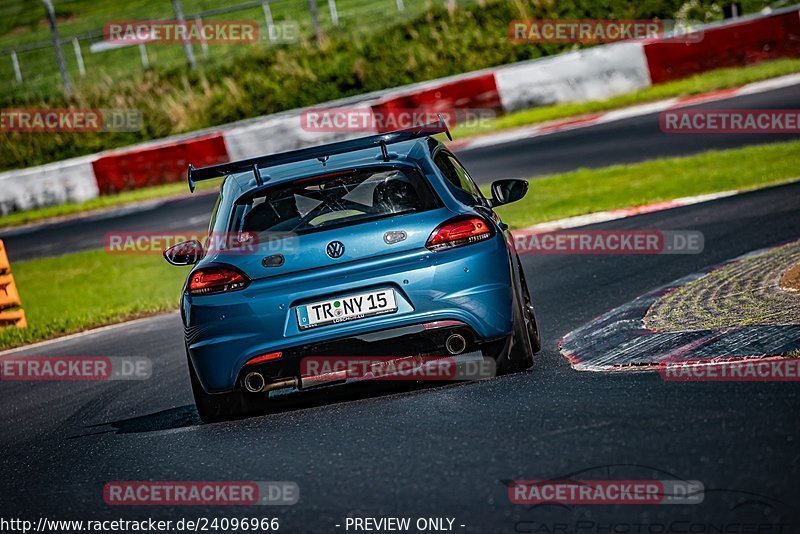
[210, 280]
[265, 358]
[459, 231]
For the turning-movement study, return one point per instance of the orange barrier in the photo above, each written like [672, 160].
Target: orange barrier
[9, 296]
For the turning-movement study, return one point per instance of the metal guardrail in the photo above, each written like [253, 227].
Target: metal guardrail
[32, 65]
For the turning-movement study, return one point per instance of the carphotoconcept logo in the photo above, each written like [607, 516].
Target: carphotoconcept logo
[609, 242]
[725, 121]
[47, 120]
[74, 368]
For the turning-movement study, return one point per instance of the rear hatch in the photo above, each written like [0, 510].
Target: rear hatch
[331, 220]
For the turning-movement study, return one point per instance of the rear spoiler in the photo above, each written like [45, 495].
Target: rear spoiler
[322, 152]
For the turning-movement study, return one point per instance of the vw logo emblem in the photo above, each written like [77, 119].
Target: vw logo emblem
[335, 249]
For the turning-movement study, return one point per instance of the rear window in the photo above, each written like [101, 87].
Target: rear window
[334, 200]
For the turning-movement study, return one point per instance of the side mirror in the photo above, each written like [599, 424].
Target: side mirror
[507, 191]
[186, 253]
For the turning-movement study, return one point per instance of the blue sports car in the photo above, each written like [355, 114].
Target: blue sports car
[382, 245]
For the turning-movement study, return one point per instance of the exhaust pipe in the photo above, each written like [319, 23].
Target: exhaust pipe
[455, 344]
[254, 382]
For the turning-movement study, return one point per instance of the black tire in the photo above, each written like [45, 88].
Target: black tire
[530, 316]
[518, 353]
[220, 406]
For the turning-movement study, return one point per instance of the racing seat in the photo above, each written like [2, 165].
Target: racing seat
[269, 214]
[394, 196]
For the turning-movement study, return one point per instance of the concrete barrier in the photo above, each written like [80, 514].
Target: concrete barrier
[61, 182]
[591, 74]
[279, 133]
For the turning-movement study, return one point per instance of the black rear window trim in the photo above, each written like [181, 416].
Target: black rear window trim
[255, 192]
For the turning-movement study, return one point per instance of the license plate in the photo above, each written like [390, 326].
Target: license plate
[347, 308]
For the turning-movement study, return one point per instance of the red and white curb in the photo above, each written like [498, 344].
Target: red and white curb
[593, 119]
[618, 340]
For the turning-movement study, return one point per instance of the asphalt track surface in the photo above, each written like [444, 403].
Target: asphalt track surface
[438, 451]
[627, 141]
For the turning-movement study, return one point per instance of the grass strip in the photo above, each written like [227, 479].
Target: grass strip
[588, 191]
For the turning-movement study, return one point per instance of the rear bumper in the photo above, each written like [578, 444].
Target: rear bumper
[428, 340]
[471, 285]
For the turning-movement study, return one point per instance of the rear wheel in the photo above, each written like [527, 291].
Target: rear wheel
[219, 406]
[524, 342]
[530, 317]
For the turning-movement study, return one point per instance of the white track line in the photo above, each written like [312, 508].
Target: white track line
[612, 215]
[85, 333]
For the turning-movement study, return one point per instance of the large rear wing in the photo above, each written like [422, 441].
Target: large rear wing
[319, 152]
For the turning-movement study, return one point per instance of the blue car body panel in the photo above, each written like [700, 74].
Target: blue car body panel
[473, 284]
